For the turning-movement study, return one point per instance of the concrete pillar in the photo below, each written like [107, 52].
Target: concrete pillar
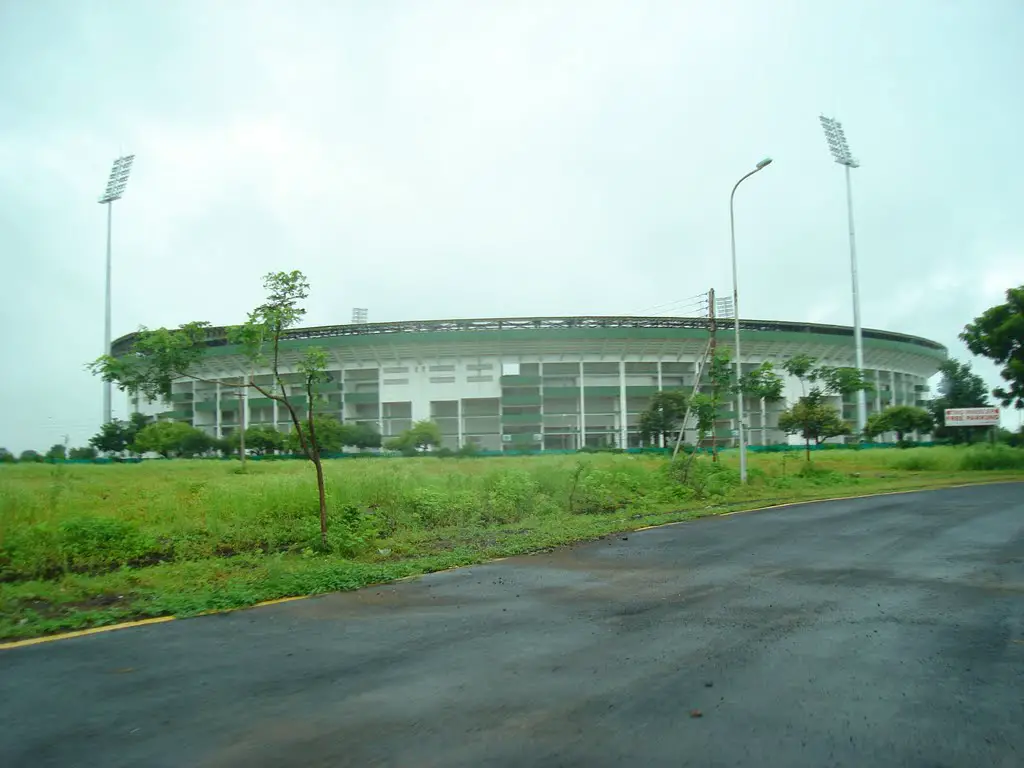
[583, 410]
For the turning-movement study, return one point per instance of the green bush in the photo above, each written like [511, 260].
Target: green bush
[92, 544]
[917, 461]
[990, 457]
[511, 496]
[30, 552]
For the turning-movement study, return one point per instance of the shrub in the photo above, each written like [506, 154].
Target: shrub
[101, 543]
[511, 496]
[989, 457]
[916, 461]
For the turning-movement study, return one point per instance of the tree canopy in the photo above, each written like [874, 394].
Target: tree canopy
[419, 437]
[814, 420]
[663, 417]
[998, 334]
[162, 356]
[901, 419]
[959, 387]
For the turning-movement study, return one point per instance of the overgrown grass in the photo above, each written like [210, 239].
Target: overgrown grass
[82, 545]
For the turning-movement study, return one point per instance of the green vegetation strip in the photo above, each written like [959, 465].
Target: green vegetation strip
[86, 545]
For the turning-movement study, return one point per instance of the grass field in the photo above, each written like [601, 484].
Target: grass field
[84, 545]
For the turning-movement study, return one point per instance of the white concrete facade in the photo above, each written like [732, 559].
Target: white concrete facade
[539, 388]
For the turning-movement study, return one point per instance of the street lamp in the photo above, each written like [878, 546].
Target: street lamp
[836, 138]
[118, 180]
[736, 319]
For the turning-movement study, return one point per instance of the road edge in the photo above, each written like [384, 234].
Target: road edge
[276, 601]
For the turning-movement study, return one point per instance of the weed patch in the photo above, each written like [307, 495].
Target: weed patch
[82, 545]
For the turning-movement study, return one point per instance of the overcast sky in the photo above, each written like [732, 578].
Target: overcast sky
[458, 159]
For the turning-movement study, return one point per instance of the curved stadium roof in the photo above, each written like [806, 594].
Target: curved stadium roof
[564, 327]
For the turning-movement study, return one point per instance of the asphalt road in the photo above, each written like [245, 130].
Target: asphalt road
[871, 632]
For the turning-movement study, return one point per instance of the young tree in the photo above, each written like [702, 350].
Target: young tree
[194, 443]
[360, 436]
[263, 439]
[998, 334]
[959, 387]
[329, 435]
[663, 416]
[765, 385]
[57, 451]
[723, 383]
[112, 437]
[161, 356]
[901, 419]
[419, 437]
[801, 367]
[842, 381]
[813, 419]
[168, 438]
[136, 423]
[876, 425]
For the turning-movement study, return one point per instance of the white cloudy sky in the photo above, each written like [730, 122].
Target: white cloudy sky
[440, 159]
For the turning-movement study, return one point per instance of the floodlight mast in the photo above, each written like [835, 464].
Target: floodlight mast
[116, 184]
[835, 136]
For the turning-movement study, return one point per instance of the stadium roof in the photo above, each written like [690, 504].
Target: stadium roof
[218, 336]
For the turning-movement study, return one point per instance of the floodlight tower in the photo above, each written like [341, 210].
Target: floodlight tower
[836, 138]
[116, 184]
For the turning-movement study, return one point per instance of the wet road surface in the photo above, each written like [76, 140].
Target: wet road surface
[871, 632]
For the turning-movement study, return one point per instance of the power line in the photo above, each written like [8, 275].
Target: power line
[699, 298]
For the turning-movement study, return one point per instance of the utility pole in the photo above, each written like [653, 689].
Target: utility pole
[712, 343]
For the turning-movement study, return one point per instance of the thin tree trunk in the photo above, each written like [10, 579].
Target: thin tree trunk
[323, 499]
[807, 444]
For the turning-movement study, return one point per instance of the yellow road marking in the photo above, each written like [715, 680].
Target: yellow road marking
[276, 601]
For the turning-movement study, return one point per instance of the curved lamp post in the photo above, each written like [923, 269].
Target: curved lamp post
[736, 320]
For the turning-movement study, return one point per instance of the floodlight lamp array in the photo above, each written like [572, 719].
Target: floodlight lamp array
[118, 180]
[836, 138]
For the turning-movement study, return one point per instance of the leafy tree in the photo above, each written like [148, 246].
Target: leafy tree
[419, 437]
[959, 387]
[998, 334]
[169, 438]
[360, 436]
[329, 435]
[813, 419]
[825, 378]
[6, 457]
[30, 456]
[87, 452]
[159, 357]
[876, 425]
[762, 383]
[801, 367]
[842, 381]
[663, 416]
[57, 451]
[112, 437]
[723, 383]
[195, 443]
[136, 423]
[263, 439]
[901, 419]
